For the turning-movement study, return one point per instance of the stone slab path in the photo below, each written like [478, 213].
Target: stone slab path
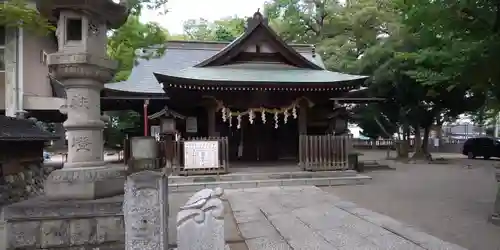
[450, 201]
[307, 218]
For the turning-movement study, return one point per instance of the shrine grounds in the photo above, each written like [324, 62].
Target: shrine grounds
[450, 201]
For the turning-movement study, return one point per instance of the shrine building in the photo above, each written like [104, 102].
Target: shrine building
[266, 97]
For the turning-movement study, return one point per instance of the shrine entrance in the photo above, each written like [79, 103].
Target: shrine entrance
[262, 143]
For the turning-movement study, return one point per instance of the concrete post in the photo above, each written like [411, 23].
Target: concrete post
[81, 65]
[495, 218]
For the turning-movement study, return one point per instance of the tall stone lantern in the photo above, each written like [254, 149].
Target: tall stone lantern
[81, 65]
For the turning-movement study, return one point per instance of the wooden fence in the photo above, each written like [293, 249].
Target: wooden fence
[180, 168]
[445, 144]
[324, 152]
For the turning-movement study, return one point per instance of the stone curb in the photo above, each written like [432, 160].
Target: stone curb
[407, 232]
[263, 176]
[329, 181]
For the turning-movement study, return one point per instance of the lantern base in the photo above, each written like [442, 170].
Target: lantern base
[85, 183]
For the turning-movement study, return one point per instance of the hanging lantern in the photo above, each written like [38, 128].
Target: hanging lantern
[238, 126]
[285, 116]
[251, 115]
[263, 116]
[224, 115]
[294, 112]
[275, 119]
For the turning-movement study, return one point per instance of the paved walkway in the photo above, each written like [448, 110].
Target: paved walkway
[293, 218]
[450, 201]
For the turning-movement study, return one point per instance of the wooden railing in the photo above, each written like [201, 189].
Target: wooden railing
[324, 152]
[180, 168]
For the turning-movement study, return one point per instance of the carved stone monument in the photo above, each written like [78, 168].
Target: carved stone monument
[80, 64]
[145, 208]
[200, 222]
[495, 218]
[144, 154]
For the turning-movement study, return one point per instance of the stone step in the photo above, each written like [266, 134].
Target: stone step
[260, 176]
[321, 181]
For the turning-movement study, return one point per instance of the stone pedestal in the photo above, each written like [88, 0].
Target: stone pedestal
[78, 224]
[495, 217]
[85, 175]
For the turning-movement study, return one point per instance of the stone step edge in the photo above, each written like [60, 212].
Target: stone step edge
[331, 181]
[324, 174]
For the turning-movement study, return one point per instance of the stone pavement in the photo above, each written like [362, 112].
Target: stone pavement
[450, 201]
[293, 218]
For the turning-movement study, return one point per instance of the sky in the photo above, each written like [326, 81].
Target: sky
[182, 10]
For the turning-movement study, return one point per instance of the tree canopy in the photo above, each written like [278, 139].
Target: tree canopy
[432, 60]
[225, 29]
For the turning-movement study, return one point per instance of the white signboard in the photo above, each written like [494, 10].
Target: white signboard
[201, 154]
[155, 132]
[191, 125]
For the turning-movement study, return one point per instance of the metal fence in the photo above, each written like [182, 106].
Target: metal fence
[446, 145]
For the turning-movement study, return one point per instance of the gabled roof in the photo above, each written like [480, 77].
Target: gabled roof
[178, 56]
[258, 58]
[258, 28]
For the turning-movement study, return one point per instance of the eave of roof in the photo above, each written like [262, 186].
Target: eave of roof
[260, 75]
[16, 129]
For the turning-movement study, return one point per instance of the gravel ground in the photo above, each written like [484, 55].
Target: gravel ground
[450, 201]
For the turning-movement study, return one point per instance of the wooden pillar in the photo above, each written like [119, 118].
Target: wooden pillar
[303, 117]
[211, 108]
[145, 113]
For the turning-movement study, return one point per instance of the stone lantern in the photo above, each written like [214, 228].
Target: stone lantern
[81, 65]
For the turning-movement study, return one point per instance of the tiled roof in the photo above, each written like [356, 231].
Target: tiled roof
[178, 56]
[262, 73]
[16, 129]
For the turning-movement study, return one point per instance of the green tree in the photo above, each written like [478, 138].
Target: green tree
[17, 13]
[123, 45]
[198, 30]
[124, 42]
[228, 29]
[20, 13]
[136, 6]
[301, 21]
[421, 65]
[225, 29]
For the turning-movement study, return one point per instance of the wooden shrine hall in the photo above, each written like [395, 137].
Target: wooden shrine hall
[265, 101]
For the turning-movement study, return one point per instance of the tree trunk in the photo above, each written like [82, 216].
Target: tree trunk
[425, 144]
[403, 145]
[422, 146]
[419, 154]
